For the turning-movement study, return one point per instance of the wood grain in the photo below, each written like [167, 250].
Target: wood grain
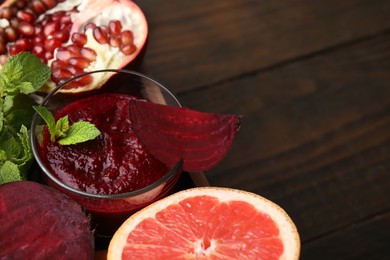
[194, 44]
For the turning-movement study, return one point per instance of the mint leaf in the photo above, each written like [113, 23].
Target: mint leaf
[9, 172]
[49, 119]
[62, 127]
[25, 72]
[80, 132]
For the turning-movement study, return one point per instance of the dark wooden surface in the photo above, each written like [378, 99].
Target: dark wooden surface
[312, 80]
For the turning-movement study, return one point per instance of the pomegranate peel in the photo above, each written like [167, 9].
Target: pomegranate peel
[171, 133]
[60, 32]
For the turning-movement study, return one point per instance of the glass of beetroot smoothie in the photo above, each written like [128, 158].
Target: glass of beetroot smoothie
[113, 175]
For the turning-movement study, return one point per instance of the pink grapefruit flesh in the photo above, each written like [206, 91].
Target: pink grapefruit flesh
[208, 223]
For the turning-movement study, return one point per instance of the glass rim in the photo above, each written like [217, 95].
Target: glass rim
[177, 167]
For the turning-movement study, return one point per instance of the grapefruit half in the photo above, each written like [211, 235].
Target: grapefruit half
[208, 223]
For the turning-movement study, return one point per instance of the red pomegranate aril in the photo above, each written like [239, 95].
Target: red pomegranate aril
[79, 62]
[24, 44]
[74, 49]
[88, 53]
[60, 73]
[100, 35]
[38, 28]
[57, 64]
[26, 29]
[6, 13]
[63, 54]
[38, 39]
[51, 27]
[49, 55]
[38, 50]
[79, 39]
[74, 70]
[85, 80]
[127, 37]
[38, 7]
[49, 3]
[62, 35]
[52, 44]
[3, 49]
[14, 49]
[25, 16]
[115, 26]
[89, 26]
[14, 22]
[10, 34]
[65, 19]
[115, 40]
[128, 49]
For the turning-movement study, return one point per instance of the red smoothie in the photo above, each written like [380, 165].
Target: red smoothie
[115, 162]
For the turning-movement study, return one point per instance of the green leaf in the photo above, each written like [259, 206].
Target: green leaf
[8, 103]
[25, 71]
[9, 172]
[80, 132]
[49, 119]
[62, 127]
[11, 147]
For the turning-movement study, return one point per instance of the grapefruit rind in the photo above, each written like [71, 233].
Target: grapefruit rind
[288, 231]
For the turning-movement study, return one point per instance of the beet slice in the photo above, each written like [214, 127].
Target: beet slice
[170, 133]
[38, 222]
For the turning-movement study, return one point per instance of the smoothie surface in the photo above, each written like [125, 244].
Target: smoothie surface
[115, 162]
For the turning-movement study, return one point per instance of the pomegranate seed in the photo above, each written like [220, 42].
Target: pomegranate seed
[38, 39]
[128, 49]
[79, 62]
[20, 4]
[115, 26]
[38, 7]
[100, 35]
[14, 22]
[115, 40]
[63, 54]
[75, 70]
[74, 49]
[49, 55]
[38, 29]
[14, 49]
[57, 64]
[38, 50]
[25, 16]
[3, 49]
[104, 28]
[89, 54]
[26, 29]
[24, 44]
[49, 3]
[52, 44]
[63, 35]
[85, 80]
[79, 39]
[11, 34]
[69, 85]
[89, 26]
[60, 73]
[127, 37]
[51, 27]
[6, 13]
[66, 19]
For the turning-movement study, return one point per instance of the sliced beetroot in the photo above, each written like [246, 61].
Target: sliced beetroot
[171, 133]
[38, 222]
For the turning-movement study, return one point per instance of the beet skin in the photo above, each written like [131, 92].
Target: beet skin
[38, 222]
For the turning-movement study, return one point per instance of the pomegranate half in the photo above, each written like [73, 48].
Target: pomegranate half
[73, 36]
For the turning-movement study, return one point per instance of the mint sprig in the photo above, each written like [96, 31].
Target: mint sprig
[64, 133]
[21, 75]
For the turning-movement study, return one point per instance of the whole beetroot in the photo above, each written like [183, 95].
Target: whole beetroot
[38, 222]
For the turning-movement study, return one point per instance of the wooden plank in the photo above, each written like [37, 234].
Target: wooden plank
[315, 136]
[366, 240]
[198, 43]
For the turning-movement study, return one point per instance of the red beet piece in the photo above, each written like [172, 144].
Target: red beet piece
[171, 133]
[38, 222]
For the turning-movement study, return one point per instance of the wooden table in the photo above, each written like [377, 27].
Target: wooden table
[312, 81]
